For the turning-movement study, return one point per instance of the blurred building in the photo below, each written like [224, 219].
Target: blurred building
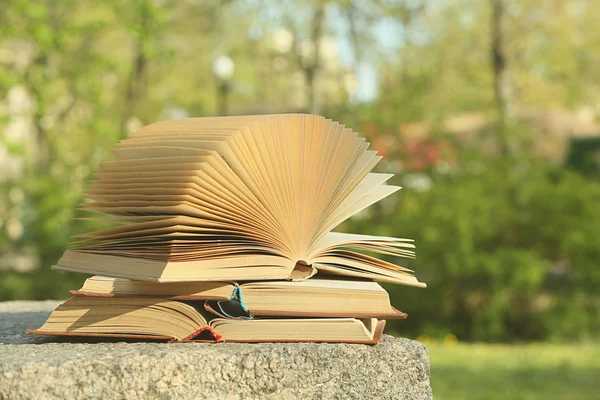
[548, 134]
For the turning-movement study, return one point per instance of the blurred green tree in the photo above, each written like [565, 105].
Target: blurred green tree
[508, 248]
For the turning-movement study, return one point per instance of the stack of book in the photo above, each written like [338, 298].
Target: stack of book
[222, 231]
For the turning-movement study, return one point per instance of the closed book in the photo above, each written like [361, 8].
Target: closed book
[315, 297]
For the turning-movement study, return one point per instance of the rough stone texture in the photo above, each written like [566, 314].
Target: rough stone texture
[37, 367]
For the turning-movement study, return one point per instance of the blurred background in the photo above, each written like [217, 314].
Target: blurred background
[488, 112]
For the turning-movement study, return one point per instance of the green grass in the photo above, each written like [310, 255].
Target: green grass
[532, 371]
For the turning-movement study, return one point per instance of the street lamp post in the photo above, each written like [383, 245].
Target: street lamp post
[223, 68]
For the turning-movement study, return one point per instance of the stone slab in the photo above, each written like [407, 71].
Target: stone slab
[38, 367]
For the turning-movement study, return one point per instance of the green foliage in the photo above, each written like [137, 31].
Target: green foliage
[508, 248]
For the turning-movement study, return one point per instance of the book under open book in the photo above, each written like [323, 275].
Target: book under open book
[237, 198]
[180, 321]
[310, 298]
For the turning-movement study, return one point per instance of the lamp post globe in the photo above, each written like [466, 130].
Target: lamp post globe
[223, 67]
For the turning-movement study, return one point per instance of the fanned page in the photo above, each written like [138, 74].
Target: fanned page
[223, 195]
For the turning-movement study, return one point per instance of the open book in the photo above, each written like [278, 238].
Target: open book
[310, 298]
[237, 198]
[179, 321]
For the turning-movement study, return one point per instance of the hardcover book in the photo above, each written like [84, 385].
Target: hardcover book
[314, 297]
